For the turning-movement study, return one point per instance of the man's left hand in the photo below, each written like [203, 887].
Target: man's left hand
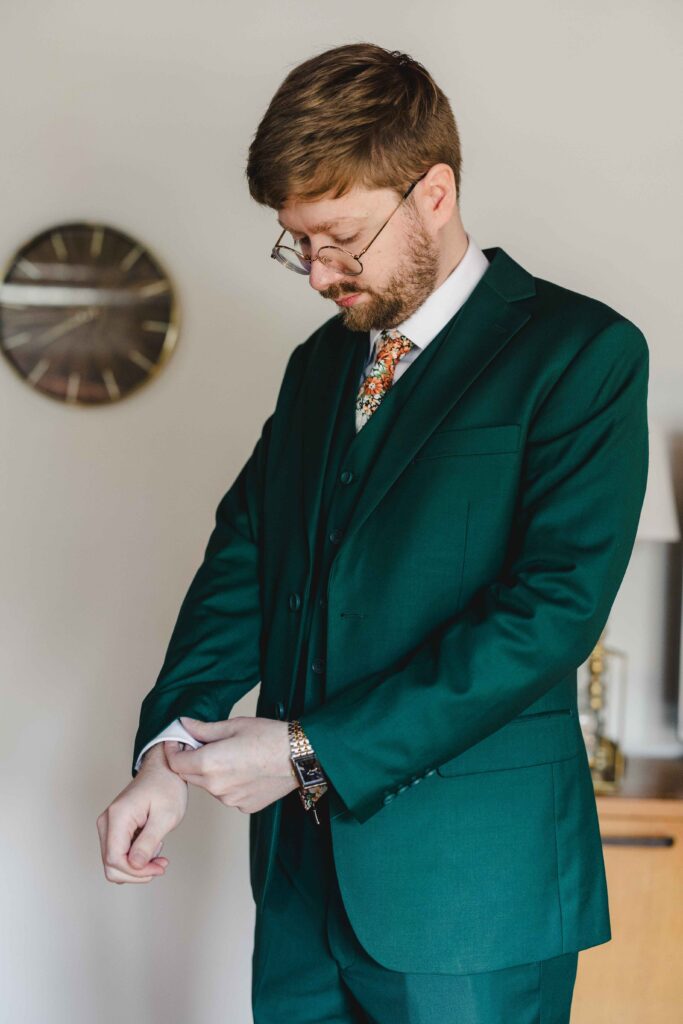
[245, 762]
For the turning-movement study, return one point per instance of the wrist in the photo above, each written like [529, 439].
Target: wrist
[155, 759]
[306, 768]
[153, 755]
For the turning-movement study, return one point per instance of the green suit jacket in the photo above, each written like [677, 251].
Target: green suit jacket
[477, 571]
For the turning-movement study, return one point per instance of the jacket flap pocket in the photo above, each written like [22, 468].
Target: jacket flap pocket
[471, 441]
[528, 739]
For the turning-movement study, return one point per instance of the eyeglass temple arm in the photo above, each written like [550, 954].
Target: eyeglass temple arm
[404, 196]
[363, 251]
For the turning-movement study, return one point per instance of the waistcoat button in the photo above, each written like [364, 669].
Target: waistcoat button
[335, 536]
[318, 665]
[322, 602]
[346, 477]
[294, 602]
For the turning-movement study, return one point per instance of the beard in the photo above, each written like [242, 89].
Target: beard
[408, 287]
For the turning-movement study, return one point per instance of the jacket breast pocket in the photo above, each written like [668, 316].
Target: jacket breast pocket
[528, 739]
[487, 440]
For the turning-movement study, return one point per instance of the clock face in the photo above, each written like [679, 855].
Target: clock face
[87, 314]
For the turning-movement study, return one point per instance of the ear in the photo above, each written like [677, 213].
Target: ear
[438, 196]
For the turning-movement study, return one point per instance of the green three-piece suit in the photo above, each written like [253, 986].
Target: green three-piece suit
[420, 594]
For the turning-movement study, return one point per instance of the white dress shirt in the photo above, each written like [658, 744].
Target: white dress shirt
[421, 327]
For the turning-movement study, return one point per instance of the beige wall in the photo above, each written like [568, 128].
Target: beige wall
[140, 115]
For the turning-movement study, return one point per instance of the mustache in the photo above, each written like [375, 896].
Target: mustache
[337, 294]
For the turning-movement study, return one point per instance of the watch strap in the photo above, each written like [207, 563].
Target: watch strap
[300, 746]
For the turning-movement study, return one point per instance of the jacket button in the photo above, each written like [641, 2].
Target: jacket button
[346, 477]
[387, 798]
[294, 602]
[336, 536]
[318, 665]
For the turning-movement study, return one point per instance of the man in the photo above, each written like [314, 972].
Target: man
[421, 550]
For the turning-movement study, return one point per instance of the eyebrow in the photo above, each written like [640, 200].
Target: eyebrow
[320, 229]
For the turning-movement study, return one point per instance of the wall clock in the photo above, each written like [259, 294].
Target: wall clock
[87, 313]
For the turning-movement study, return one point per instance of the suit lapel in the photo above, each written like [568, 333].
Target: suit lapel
[490, 317]
[326, 379]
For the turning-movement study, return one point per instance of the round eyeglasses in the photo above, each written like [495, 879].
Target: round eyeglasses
[332, 256]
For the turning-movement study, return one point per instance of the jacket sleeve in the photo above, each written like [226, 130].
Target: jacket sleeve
[214, 653]
[581, 492]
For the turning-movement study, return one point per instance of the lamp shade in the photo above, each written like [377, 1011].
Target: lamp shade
[658, 517]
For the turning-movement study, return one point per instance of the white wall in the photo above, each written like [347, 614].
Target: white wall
[140, 115]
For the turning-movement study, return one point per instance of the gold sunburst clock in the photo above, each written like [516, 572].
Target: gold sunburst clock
[87, 313]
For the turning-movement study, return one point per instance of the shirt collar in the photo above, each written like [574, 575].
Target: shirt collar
[441, 305]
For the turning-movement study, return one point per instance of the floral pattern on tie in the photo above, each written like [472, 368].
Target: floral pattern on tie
[393, 346]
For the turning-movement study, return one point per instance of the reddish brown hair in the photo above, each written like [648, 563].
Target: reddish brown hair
[355, 115]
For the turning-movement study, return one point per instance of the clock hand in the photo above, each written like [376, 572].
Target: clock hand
[83, 316]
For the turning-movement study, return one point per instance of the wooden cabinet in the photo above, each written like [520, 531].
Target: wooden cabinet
[637, 977]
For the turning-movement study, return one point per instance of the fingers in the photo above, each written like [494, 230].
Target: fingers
[196, 780]
[205, 768]
[201, 767]
[183, 761]
[208, 783]
[208, 732]
[121, 877]
[145, 848]
[115, 830]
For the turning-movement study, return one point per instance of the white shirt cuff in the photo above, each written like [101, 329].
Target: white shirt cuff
[174, 731]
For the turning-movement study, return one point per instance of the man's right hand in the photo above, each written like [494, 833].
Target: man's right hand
[133, 827]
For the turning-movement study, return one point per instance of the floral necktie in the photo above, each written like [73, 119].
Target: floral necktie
[392, 346]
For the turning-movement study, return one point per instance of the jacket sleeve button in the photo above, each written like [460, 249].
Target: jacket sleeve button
[387, 798]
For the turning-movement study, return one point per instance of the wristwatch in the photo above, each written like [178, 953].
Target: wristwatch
[306, 768]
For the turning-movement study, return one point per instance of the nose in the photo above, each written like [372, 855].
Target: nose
[322, 277]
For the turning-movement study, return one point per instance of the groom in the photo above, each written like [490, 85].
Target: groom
[422, 548]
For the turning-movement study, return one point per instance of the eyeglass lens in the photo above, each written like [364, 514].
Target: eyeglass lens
[297, 256]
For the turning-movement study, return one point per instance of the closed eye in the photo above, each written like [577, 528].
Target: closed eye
[338, 241]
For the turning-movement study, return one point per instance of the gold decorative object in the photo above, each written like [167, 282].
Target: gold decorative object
[601, 714]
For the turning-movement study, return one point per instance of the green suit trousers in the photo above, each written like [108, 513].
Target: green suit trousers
[309, 967]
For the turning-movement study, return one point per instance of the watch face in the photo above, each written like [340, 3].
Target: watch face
[87, 314]
[309, 771]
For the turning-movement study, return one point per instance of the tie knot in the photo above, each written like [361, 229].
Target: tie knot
[392, 345]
